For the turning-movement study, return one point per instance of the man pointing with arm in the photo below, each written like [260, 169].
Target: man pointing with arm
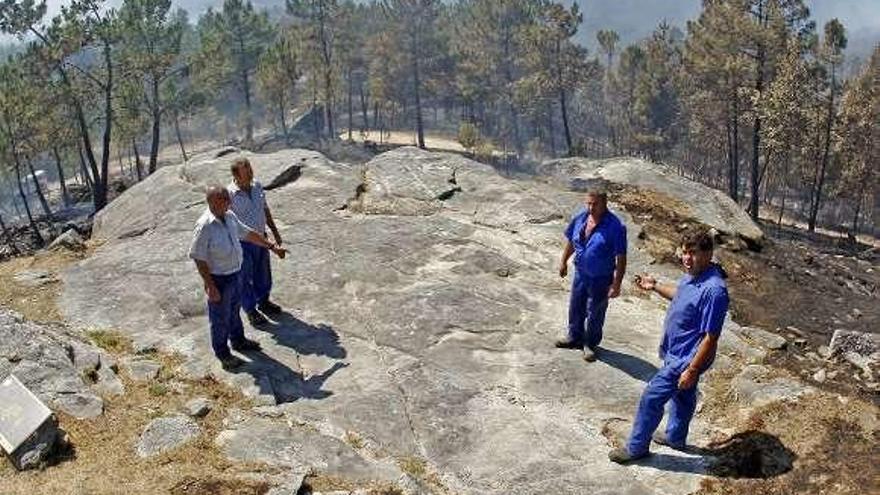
[216, 250]
[690, 340]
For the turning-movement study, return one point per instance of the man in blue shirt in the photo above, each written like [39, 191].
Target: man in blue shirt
[597, 238]
[249, 203]
[690, 339]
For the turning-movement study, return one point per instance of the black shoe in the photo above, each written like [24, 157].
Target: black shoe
[247, 345]
[621, 456]
[256, 319]
[567, 344]
[230, 362]
[661, 439]
[590, 354]
[269, 308]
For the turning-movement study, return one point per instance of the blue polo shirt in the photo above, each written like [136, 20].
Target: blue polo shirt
[699, 307]
[594, 255]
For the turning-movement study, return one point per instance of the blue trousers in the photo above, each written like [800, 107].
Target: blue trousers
[663, 388]
[586, 309]
[256, 276]
[224, 315]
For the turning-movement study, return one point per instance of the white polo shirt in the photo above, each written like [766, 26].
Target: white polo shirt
[216, 242]
[249, 206]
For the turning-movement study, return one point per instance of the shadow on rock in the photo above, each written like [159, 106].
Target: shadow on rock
[750, 454]
[304, 338]
[633, 366]
[276, 380]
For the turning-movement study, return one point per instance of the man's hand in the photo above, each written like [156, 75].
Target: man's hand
[614, 291]
[688, 379]
[278, 250]
[563, 270]
[645, 282]
[213, 293]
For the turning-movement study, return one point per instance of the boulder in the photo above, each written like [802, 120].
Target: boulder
[710, 206]
[34, 278]
[43, 358]
[764, 338]
[859, 348]
[198, 407]
[141, 370]
[70, 240]
[108, 383]
[165, 434]
[757, 386]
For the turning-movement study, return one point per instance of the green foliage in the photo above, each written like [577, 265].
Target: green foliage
[468, 136]
[232, 43]
[110, 340]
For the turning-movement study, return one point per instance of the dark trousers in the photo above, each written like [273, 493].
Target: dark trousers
[256, 276]
[224, 315]
[586, 309]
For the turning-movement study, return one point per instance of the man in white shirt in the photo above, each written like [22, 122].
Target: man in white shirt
[249, 204]
[217, 253]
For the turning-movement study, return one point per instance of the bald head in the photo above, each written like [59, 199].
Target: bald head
[218, 200]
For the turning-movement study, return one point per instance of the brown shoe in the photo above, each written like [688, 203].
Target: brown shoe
[246, 345]
[589, 354]
[621, 456]
[567, 344]
[256, 319]
[230, 362]
[661, 439]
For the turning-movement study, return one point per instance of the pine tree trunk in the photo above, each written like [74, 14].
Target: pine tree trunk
[84, 171]
[138, 166]
[366, 125]
[420, 129]
[104, 177]
[859, 200]
[756, 127]
[281, 113]
[44, 204]
[87, 155]
[826, 154]
[249, 117]
[179, 136]
[119, 162]
[350, 104]
[27, 208]
[65, 197]
[157, 122]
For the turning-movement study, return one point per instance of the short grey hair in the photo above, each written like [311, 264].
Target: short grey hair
[215, 189]
[598, 192]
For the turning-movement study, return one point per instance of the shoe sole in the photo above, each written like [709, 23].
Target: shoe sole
[671, 446]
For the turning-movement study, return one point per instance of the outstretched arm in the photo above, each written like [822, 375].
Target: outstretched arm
[648, 282]
[270, 222]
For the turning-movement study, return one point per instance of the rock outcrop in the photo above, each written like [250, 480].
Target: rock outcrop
[45, 359]
[421, 302]
[709, 206]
